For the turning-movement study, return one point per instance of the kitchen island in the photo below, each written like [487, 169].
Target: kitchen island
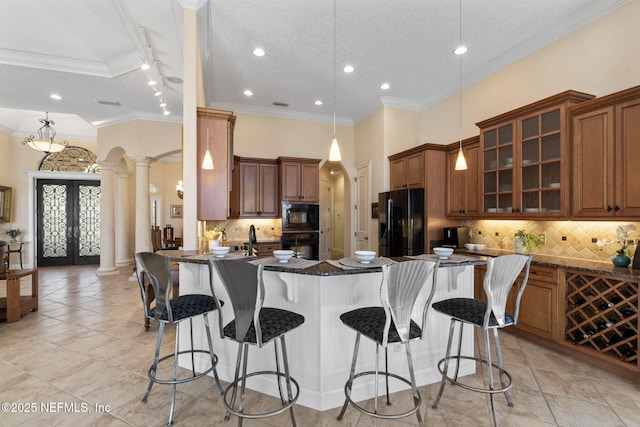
[320, 351]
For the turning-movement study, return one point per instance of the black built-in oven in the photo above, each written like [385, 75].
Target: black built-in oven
[305, 245]
[297, 217]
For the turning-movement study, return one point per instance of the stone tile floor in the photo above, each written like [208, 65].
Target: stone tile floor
[82, 359]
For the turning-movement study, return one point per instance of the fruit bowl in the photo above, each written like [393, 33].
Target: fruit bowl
[365, 257]
[220, 251]
[443, 253]
[283, 255]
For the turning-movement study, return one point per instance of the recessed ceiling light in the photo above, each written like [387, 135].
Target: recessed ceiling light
[349, 69]
[259, 52]
[158, 93]
[55, 96]
[248, 92]
[385, 86]
[166, 113]
[163, 104]
[144, 66]
[318, 102]
[151, 82]
[460, 50]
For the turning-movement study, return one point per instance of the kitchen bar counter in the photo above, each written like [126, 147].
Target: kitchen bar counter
[320, 350]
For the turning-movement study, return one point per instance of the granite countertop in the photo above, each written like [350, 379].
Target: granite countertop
[599, 267]
[316, 268]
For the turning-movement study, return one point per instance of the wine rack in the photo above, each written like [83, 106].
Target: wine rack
[602, 315]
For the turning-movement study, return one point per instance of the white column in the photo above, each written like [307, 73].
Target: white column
[107, 220]
[123, 251]
[143, 210]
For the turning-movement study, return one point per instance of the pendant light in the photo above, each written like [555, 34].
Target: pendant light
[45, 141]
[207, 162]
[461, 162]
[334, 152]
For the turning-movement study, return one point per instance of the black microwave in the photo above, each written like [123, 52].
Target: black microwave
[300, 217]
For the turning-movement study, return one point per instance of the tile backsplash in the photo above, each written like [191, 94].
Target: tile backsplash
[267, 229]
[571, 239]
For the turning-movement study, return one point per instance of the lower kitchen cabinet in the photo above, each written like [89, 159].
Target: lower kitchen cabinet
[539, 303]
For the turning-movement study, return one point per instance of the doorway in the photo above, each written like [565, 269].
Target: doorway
[68, 222]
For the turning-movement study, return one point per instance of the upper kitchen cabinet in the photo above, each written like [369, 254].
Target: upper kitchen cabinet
[257, 193]
[606, 177]
[299, 180]
[406, 170]
[463, 187]
[525, 159]
[215, 131]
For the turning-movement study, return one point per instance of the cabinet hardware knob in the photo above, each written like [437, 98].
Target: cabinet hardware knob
[617, 208]
[609, 208]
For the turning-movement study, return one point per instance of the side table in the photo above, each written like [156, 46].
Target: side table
[14, 304]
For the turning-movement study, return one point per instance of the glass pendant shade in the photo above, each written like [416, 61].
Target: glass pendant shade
[461, 162]
[207, 161]
[334, 152]
[45, 141]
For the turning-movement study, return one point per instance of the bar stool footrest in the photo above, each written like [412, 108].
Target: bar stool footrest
[347, 393]
[171, 356]
[285, 406]
[502, 372]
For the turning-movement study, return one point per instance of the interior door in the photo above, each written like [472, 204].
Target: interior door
[68, 215]
[363, 213]
[325, 220]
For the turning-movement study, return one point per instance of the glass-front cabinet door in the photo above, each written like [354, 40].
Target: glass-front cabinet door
[497, 175]
[540, 162]
[525, 159]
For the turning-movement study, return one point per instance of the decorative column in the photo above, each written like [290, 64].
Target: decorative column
[123, 252]
[143, 211]
[107, 220]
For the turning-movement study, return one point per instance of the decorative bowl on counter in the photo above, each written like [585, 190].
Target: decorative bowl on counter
[283, 255]
[443, 253]
[220, 251]
[365, 257]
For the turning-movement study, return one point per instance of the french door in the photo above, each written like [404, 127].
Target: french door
[68, 215]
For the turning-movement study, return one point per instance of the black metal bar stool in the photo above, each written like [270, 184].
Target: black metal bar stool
[173, 311]
[401, 285]
[254, 325]
[502, 274]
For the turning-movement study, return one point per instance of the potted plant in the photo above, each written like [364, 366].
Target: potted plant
[623, 235]
[13, 234]
[526, 241]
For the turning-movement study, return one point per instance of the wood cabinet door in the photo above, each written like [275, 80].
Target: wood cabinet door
[310, 185]
[268, 195]
[290, 181]
[627, 173]
[455, 186]
[539, 309]
[415, 171]
[398, 174]
[234, 193]
[593, 164]
[213, 185]
[249, 189]
[471, 183]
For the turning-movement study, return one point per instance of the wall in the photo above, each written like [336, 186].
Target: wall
[6, 149]
[595, 59]
[578, 234]
[166, 175]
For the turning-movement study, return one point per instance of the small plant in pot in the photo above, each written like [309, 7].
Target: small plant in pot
[527, 241]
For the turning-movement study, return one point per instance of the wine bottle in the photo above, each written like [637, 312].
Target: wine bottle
[616, 338]
[628, 332]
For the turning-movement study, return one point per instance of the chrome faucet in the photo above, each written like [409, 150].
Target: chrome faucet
[252, 239]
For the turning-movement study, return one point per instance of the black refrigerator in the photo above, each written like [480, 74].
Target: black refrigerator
[401, 222]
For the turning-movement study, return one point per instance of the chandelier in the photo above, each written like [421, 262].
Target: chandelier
[45, 141]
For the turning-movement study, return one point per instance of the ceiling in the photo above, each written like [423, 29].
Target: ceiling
[89, 52]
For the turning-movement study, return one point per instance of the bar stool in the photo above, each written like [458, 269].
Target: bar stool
[502, 273]
[173, 311]
[401, 285]
[254, 325]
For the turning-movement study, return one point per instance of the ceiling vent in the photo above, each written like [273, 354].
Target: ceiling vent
[280, 104]
[111, 103]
